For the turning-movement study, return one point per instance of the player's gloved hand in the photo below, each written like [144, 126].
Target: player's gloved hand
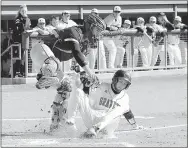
[149, 30]
[89, 81]
[139, 29]
[38, 76]
[136, 127]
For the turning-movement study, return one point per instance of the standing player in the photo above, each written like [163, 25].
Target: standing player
[123, 44]
[164, 25]
[101, 106]
[113, 23]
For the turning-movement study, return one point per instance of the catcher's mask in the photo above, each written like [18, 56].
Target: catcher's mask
[121, 80]
[48, 73]
[93, 25]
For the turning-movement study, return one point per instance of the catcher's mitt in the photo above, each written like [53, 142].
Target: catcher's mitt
[88, 82]
[139, 29]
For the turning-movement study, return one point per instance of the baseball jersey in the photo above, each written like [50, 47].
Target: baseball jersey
[63, 25]
[105, 100]
[110, 20]
[65, 50]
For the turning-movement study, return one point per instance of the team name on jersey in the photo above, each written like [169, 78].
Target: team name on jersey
[108, 103]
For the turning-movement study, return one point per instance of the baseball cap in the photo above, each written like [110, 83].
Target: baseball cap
[127, 22]
[41, 20]
[161, 14]
[94, 10]
[117, 8]
[65, 12]
[140, 19]
[178, 18]
[152, 18]
[23, 6]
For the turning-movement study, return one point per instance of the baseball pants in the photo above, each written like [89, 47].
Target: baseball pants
[111, 47]
[174, 54]
[90, 116]
[94, 55]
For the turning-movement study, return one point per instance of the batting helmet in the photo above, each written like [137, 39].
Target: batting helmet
[122, 74]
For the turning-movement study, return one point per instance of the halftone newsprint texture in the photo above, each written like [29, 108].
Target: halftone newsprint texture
[158, 95]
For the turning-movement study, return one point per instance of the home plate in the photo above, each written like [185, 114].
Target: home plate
[61, 142]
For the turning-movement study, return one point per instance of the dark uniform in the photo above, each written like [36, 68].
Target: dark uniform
[65, 50]
[21, 24]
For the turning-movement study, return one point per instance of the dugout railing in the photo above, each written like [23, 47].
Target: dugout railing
[134, 56]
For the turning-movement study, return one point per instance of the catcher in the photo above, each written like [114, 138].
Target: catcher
[67, 44]
[60, 103]
[102, 104]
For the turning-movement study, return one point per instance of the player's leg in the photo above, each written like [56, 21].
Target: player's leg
[59, 109]
[128, 55]
[171, 53]
[119, 57]
[101, 55]
[149, 54]
[143, 52]
[110, 45]
[91, 57]
[109, 130]
[177, 55]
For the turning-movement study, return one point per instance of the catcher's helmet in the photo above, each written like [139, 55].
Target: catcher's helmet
[122, 74]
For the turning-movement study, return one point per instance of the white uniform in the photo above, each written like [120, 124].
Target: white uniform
[66, 65]
[120, 43]
[93, 54]
[102, 107]
[174, 52]
[144, 45]
[159, 49]
[110, 20]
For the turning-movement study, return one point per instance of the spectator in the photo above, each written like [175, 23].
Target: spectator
[143, 44]
[22, 23]
[54, 22]
[92, 51]
[173, 46]
[66, 22]
[40, 28]
[164, 25]
[123, 44]
[113, 23]
[183, 38]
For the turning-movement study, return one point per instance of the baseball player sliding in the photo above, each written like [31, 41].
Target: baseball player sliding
[102, 104]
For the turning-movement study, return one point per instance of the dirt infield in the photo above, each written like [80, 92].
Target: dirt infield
[159, 104]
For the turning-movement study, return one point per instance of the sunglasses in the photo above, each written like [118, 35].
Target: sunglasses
[116, 11]
[41, 23]
[67, 14]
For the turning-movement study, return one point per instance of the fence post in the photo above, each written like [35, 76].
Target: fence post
[165, 46]
[25, 46]
[132, 52]
[98, 54]
[12, 65]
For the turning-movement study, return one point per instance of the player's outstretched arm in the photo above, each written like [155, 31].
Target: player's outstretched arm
[130, 118]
